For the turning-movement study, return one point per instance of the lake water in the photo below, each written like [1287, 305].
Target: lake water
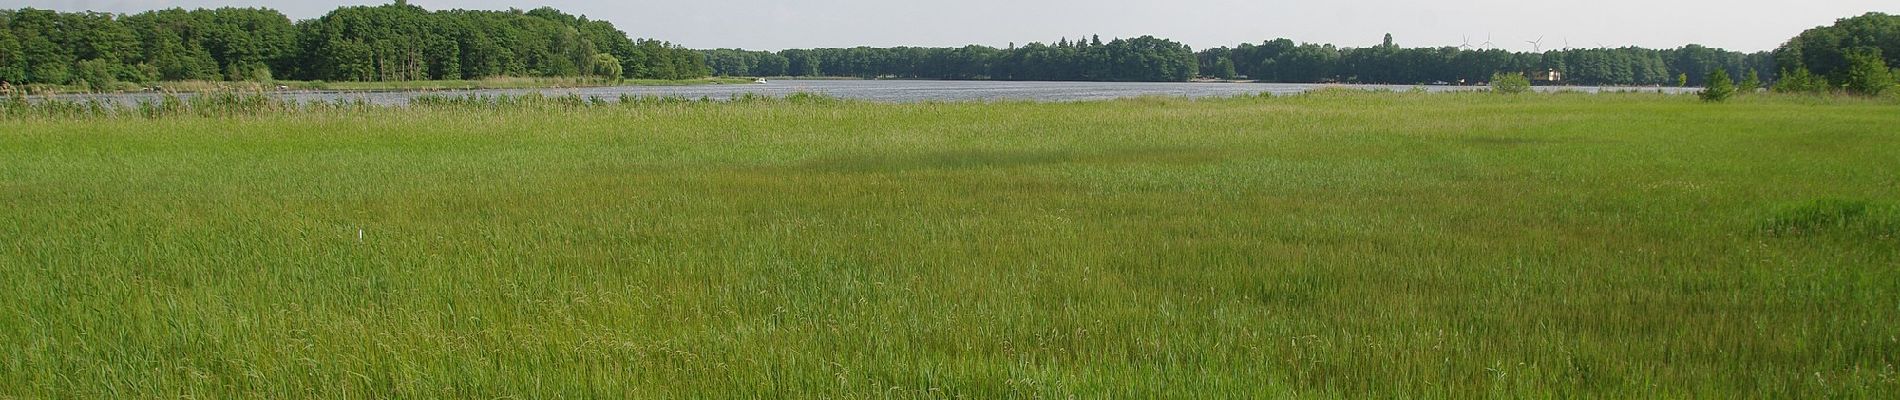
[900, 90]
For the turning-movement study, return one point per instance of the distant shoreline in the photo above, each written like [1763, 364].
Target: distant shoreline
[372, 87]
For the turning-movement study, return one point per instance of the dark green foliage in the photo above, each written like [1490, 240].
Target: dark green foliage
[12, 61]
[1281, 60]
[247, 44]
[1750, 84]
[1800, 81]
[1144, 58]
[96, 74]
[1223, 69]
[607, 66]
[1218, 63]
[733, 62]
[736, 62]
[1867, 74]
[1720, 88]
[800, 62]
[1510, 83]
[38, 34]
[1829, 51]
[403, 43]
[396, 42]
[172, 43]
[653, 59]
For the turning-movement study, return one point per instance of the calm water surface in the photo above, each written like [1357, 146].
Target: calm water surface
[896, 91]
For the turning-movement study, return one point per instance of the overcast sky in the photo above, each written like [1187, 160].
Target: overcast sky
[1747, 25]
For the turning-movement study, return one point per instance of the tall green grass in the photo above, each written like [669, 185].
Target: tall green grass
[1335, 244]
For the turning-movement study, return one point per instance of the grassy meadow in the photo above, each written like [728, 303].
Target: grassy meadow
[1329, 245]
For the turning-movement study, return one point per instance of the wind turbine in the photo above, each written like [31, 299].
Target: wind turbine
[1467, 45]
[1487, 42]
[1538, 45]
[1566, 44]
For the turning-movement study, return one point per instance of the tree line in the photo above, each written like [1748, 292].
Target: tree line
[1821, 56]
[395, 42]
[1859, 54]
[1145, 58]
[1281, 60]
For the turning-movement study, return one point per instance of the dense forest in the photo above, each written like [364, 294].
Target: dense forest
[1144, 58]
[1281, 60]
[1828, 51]
[395, 42]
[1860, 54]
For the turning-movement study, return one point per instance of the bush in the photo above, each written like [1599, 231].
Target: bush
[261, 74]
[141, 72]
[606, 66]
[1799, 81]
[49, 72]
[1751, 83]
[1867, 73]
[1720, 89]
[1511, 83]
[96, 75]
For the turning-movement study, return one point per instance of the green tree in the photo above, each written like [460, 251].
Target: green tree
[98, 36]
[1867, 73]
[1510, 83]
[246, 43]
[1720, 88]
[1750, 84]
[1682, 80]
[1308, 63]
[1799, 80]
[96, 74]
[800, 62]
[405, 42]
[1827, 51]
[772, 64]
[607, 66]
[730, 62]
[1224, 68]
[171, 44]
[41, 34]
[12, 62]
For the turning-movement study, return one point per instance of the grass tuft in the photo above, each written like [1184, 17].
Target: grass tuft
[1835, 216]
